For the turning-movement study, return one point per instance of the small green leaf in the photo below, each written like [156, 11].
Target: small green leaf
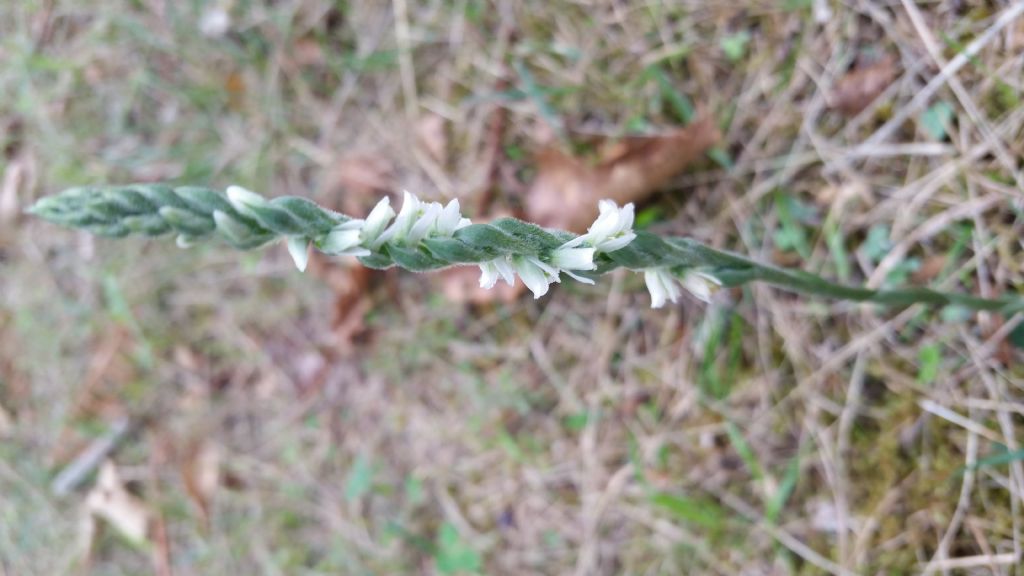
[936, 118]
[648, 216]
[677, 101]
[792, 235]
[999, 458]
[877, 244]
[956, 314]
[454, 556]
[794, 5]
[721, 157]
[359, 480]
[576, 422]
[414, 490]
[775, 505]
[929, 359]
[1016, 336]
[735, 45]
[739, 443]
[700, 512]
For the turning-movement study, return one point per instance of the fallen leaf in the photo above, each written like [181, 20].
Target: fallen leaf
[936, 119]
[201, 473]
[566, 190]
[113, 503]
[859, 87]
[462, 285]
[930, 269]
[234, 86]
[356, 182]
[431, 137]
[307, 52]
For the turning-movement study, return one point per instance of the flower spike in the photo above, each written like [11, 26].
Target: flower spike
[427, 236]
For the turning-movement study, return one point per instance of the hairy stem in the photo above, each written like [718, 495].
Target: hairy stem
[245, 221]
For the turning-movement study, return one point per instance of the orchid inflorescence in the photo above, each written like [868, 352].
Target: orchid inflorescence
[426, 236]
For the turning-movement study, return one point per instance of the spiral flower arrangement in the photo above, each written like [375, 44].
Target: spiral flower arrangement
[425, 236]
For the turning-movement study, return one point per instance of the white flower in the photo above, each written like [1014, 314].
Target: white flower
[376, 221]
[243, 200]
[298, 247]
[345, 239]
[664, 286]
[569, 259]
[701, 284]
[490, 271]
[418, 220]
[412, 208]
[449, 220]
[535, 274]
[612, 230]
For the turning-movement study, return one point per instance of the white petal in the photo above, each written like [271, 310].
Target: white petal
[298, 247]
[616, 243]
[573, 258]
[575, 241]
[578, 278]
[424, 224]
[605, 225]
[655, 287]
[241, 199]
[504, 268]
[671, 286]
[607, 205]
[377, 220]
[448, 220]
[662, 286]
[401, 225]
[702, 285]
[488, 275]
[626, 216]
[535, 278]
[340, 240]
[463, 223]
[550, 271]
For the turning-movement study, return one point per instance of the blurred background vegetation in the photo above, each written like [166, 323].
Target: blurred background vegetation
[209, 412]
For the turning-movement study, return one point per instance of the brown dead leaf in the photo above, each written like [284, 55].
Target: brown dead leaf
[201, 473]
[931, 268]
[234, 86]
[351, 287]
[356, 182]
[307, 52]
[462, 285]
[859, 87]
[110, 501]
[432, 138]
[566, 190]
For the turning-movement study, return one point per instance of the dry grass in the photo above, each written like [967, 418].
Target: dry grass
[584, 433]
